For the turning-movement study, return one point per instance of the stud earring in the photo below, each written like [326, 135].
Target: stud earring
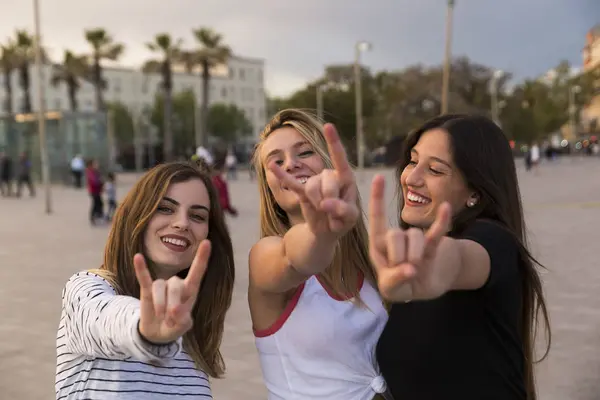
[471, 203]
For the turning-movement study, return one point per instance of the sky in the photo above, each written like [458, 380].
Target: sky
[297, 39]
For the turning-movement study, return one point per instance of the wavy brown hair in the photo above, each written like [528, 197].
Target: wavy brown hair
[351, 255]
[126, 238]
[483, 155]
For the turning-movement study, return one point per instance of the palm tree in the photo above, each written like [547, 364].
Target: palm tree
[25, 55]
[104, 48]
[69, 72]
[8, 64]
[169, 50]
[211, 52]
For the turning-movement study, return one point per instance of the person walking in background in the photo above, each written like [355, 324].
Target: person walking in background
[110, 190]
[95, 186]
[148, 323]
[222, 187]
[535, 156]
[231, 165]
[24, 175]
[77, 170]
[5, 174]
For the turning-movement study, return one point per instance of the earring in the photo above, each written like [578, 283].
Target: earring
[471, 203]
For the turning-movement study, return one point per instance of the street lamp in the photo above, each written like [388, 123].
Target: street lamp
[498, 74]
[573, 90]
[41, 113]
[359, 48]
[447, 57]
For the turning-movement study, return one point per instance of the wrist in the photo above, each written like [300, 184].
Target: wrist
[148, 341]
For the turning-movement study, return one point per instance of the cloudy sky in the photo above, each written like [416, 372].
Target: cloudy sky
[297, 38]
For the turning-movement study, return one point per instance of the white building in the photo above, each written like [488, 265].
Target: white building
[241, 82]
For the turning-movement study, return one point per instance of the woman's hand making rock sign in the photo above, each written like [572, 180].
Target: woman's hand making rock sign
[407, 261]
[328, 199]
[166, 306]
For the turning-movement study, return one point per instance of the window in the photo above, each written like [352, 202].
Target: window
[224, 92]
[231, 73]
[242, 74]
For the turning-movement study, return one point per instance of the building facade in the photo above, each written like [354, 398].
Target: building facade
[590, 115]
[240, 82]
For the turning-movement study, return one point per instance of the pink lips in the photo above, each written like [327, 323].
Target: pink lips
[413, 203]
[176, 247]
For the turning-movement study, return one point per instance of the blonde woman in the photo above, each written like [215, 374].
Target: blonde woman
[148, 324]
[315, 312]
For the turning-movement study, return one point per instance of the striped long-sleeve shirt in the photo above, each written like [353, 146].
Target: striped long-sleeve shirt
[101, 355]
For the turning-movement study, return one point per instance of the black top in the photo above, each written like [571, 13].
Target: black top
[466, 344]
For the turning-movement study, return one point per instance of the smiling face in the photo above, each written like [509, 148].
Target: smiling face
[431, 178]
[287, 148]
[177, 227]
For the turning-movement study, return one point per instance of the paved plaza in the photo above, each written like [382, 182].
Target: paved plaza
[38, 253]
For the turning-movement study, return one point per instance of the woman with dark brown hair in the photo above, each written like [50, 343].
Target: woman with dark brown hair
[149, 323]
[467, 294]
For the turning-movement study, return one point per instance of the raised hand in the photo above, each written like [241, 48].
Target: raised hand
[404, 260]
[328, 199]
[166, 306]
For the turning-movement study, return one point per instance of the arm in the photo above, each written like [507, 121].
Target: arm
[281, 264]
[99, 323]
[462, 264]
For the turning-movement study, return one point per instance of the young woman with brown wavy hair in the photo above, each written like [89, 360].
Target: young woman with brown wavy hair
[315, 311]
[467, 293]
[149, 323]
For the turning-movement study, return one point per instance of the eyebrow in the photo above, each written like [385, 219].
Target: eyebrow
[276, 151]
[446, 163]
[193, 207]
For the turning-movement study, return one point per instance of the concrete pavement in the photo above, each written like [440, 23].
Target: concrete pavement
[38, 253]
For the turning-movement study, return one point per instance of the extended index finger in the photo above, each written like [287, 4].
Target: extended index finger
[377, 215]
[441, 224]
[143, 275]
[337, 152]
[196, 273]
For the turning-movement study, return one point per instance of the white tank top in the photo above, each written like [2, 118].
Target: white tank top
[323, 348]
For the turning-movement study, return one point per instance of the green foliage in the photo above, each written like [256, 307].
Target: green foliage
[182, 119]
[123, 123]
[396, 102]
[227, 122]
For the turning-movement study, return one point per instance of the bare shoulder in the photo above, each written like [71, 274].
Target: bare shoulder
[269, 268]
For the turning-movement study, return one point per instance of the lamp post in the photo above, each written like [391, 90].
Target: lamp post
[320, 89]
[498, 74]
[573, 90]
[359, 48]
[41, 113]
[447, 57]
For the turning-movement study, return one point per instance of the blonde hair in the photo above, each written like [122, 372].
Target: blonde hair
[351, 255]
[126, 238]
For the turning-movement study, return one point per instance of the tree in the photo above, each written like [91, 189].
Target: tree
[123, 124]
[183, 120]
[212, 52]
[103, 48]
[169, 51]
[72, 69]
[228, 122]
[8, 64]
[25, 55]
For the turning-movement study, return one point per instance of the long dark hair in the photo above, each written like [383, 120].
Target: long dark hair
[203, 341]
[483, 155]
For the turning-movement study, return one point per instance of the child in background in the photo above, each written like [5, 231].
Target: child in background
[221, 186]
[111, 195]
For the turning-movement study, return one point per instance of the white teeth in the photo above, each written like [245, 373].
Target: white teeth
[303, 180]
[176, 242]
[416, 198]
